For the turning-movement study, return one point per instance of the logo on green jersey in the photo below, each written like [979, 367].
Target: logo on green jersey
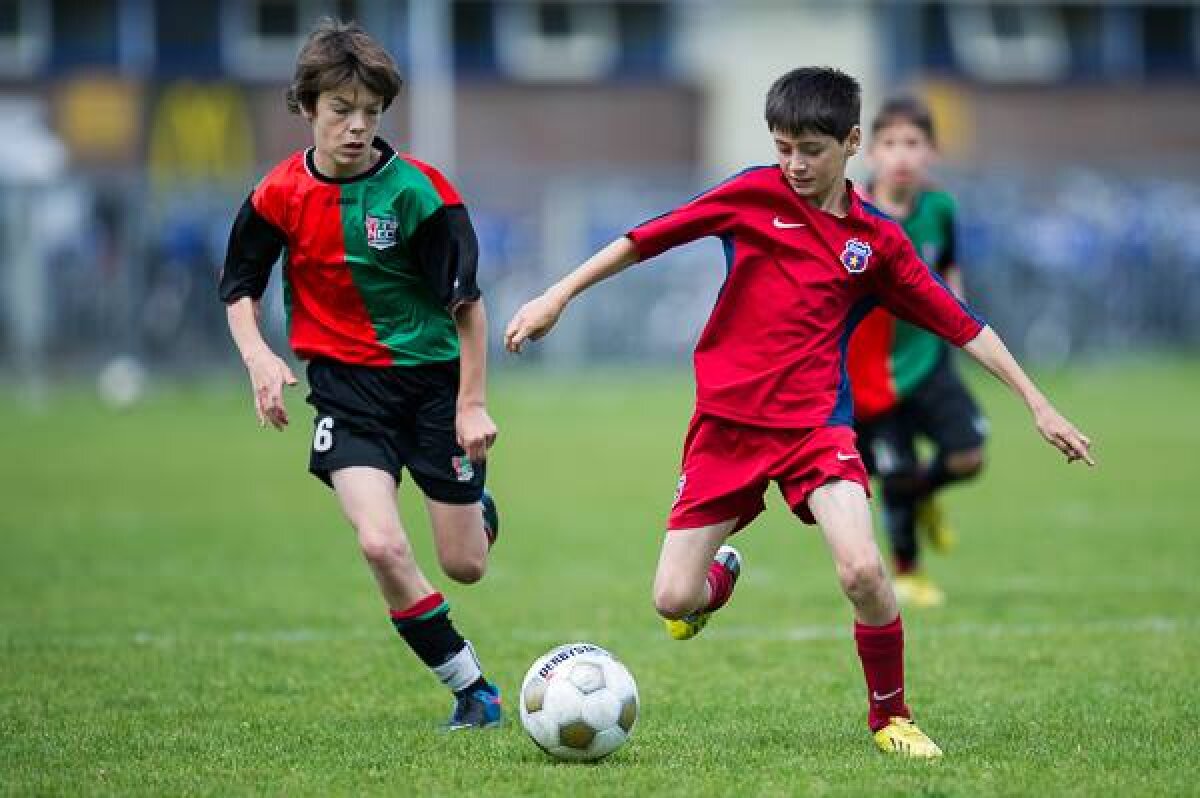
[381, 231]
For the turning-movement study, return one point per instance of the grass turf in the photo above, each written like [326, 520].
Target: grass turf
[183, 611]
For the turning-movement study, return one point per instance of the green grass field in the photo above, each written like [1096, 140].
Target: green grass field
[182, 610]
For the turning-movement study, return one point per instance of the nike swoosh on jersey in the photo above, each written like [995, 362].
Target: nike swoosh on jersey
[782, 225]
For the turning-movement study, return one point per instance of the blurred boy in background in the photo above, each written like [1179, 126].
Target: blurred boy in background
[904, 379]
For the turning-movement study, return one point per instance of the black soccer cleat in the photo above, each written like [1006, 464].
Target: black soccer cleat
[476, 709]
[491, 518]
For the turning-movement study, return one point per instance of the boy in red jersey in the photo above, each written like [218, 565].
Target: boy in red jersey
[382, 301]
[806, 260]
[904, 378]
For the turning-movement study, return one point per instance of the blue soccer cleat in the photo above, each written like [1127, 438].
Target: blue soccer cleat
[477, 709]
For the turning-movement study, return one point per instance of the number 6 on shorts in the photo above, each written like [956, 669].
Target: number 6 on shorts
[323, 436]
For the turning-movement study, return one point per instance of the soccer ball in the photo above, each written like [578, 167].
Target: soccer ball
[578, 702]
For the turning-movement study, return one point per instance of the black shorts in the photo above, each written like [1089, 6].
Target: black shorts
[392, 418]
[941, 409]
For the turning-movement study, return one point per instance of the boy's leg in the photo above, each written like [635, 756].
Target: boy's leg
[840, 509]
[695, 577]
[461, 539]
[420, 614]
[948, 415]
[894, 458]
[720, 490]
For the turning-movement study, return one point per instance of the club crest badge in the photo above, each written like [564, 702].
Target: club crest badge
[381, 231]
[464, 471]
[855, 256]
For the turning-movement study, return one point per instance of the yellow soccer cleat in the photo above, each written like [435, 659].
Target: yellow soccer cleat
[933, 525]
[917, 590]
[689, 626]
[902, 737]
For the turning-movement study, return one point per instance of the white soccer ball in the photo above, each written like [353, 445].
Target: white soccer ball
[578, 702]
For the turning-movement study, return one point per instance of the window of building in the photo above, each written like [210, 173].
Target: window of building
[186, 38]
[260, 38]
[83, 33]
[1007, 43]
[24, 26]
[1168, 39]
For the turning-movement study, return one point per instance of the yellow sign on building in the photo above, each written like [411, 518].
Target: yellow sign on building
[200, 133]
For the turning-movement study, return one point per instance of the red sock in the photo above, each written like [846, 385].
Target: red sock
[720, 586]
[904, 565]
[881, 649]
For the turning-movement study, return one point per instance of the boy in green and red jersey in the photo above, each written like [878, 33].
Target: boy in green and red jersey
[904, 380]
[380, 288]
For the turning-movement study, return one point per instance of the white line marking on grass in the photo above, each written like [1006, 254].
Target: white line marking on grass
[648, 632]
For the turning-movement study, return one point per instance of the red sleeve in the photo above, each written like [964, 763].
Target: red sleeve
[909, 289]
[711, 214]
[444, 188]
[270, 196]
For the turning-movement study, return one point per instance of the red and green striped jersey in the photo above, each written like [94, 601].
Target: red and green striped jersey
[888, 358]
[375, 264]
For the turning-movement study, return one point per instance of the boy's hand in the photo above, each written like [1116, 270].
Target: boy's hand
[475, 430]
[532, 321]
[268, 375]
[1062, 435]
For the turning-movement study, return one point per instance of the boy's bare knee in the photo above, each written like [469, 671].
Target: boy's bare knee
[965, 464]
[384, 550]
[862, 578]
[673, 602]
[465, 570]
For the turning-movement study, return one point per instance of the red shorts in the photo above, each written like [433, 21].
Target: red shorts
[727, 467]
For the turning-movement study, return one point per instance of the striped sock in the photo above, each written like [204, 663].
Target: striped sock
[427, 629]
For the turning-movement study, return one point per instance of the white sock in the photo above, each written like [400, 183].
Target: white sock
[460, 671]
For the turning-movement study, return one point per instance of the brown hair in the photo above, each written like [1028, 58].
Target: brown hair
[905, 110]
[335, 54]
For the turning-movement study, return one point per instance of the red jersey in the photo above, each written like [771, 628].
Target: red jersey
[773, 352]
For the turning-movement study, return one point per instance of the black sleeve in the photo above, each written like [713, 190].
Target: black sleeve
[949, 256]
[447, 254]
[254, 246]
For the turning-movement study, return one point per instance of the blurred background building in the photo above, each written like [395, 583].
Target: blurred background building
[132, 130]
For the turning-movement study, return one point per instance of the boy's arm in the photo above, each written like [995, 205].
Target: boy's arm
[268, 373]
[473, 426]
[713, 213]
[992, 354]
[538, 315]
[447, 252]
[909, 290]
[254, 246]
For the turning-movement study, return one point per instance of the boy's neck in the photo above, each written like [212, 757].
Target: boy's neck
[894, 200]
[835, 202]
[329, 168]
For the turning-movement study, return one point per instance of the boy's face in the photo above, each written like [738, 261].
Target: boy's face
[901, 155]
[814, 163]
[344, 123]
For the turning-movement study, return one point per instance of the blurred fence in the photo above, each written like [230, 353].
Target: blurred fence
[1074, 264]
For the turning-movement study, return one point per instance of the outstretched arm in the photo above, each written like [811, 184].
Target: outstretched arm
[537, 316]
[993, 355]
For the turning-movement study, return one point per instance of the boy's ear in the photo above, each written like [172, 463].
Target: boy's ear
[854, 140]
